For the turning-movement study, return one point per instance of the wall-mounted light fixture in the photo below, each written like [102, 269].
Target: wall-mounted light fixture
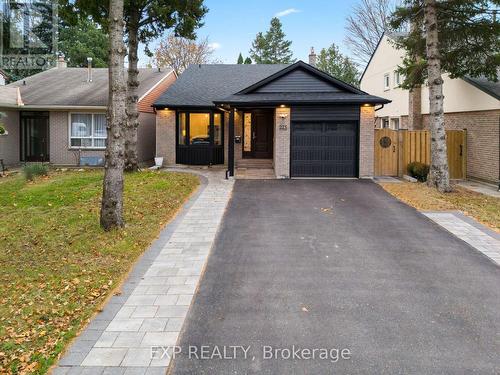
[283, 124]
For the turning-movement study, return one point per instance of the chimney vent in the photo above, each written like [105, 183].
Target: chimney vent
[61, 63]
[312, 57]
[89, 69]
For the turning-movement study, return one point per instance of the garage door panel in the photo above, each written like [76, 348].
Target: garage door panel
[324, 149]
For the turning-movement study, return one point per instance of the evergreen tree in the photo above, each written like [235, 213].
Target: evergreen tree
[240, 59]
[331, 61]
[85, 39]
[272, 47]
[459, 37]
[248, 60]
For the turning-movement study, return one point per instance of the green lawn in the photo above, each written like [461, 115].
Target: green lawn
[58, 266]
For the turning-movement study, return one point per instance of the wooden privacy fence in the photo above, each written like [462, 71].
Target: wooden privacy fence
[395, 149]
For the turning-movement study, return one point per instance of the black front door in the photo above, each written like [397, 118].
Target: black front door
[35, 136]
[261, 133]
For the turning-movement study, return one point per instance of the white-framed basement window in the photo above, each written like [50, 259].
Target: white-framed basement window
[87, 130]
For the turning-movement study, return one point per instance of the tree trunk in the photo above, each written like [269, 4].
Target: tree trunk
[112, 194]
[131, 157]
[438, 175]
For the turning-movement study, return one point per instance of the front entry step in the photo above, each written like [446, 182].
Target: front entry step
[255, 173]
[255, 163]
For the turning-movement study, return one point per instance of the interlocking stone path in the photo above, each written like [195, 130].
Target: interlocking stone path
[478, 236]
[156, 297]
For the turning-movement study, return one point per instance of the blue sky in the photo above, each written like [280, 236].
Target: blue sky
[231, 25]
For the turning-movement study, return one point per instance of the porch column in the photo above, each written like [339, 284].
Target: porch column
[230, 151]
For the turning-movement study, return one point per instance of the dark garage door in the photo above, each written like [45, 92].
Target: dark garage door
[324, 149]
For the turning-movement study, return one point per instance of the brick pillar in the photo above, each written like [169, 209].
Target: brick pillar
[415, 109]
[282, 142]
[366, 139]
[165, 136]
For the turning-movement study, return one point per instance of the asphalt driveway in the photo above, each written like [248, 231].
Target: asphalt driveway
[339, 265]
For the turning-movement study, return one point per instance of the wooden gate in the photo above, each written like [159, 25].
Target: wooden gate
[415, 145]
[386, 152]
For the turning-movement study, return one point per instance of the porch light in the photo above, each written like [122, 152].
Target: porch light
[282, 106]
[367, 105]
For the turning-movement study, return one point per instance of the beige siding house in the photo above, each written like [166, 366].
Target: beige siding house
[59, 116]
[291, 120]
[470, 103]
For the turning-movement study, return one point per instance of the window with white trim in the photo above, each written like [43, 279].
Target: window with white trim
[88, 130]
[387, 83]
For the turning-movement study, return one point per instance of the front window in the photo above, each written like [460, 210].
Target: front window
[88, 130]
[217, 129]
[200, 129]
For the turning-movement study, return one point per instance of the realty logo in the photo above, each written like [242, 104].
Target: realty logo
[28, 34]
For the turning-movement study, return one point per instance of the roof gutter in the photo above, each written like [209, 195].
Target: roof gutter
[56, 107]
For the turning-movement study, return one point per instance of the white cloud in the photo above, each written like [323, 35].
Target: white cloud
[214, 45]
[286, 12]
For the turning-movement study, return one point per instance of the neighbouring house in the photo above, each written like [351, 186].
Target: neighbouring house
[469, 103]
[59, 115]
[295, 119]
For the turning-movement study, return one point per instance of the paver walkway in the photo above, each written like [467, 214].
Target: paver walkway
[470, 231]
[156, 297]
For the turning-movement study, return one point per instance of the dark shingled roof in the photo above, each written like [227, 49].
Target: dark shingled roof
[200, 85]
[489, 87]
[69, 86]
[206, 85]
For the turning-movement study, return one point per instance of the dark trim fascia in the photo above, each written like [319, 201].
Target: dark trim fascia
[299, 102]
[302, 65]
[480, 87]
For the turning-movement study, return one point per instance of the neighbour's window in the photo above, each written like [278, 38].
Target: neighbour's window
[395, 123]
[198, 129]
[385, 123]
[88, 130]
[397, 79]
[386, 81]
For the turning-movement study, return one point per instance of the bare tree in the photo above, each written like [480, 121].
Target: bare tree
[365, 26]
[439, 174]
[112, 194]
[178, 53]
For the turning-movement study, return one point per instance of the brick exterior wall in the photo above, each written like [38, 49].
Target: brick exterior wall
[165, 136]
[366, 139]
[238, 131]
[482, 141]
[9, 144]
[282, 142]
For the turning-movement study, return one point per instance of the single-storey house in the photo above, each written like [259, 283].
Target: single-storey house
[59, 115]
[300, 120]
[469, 103]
